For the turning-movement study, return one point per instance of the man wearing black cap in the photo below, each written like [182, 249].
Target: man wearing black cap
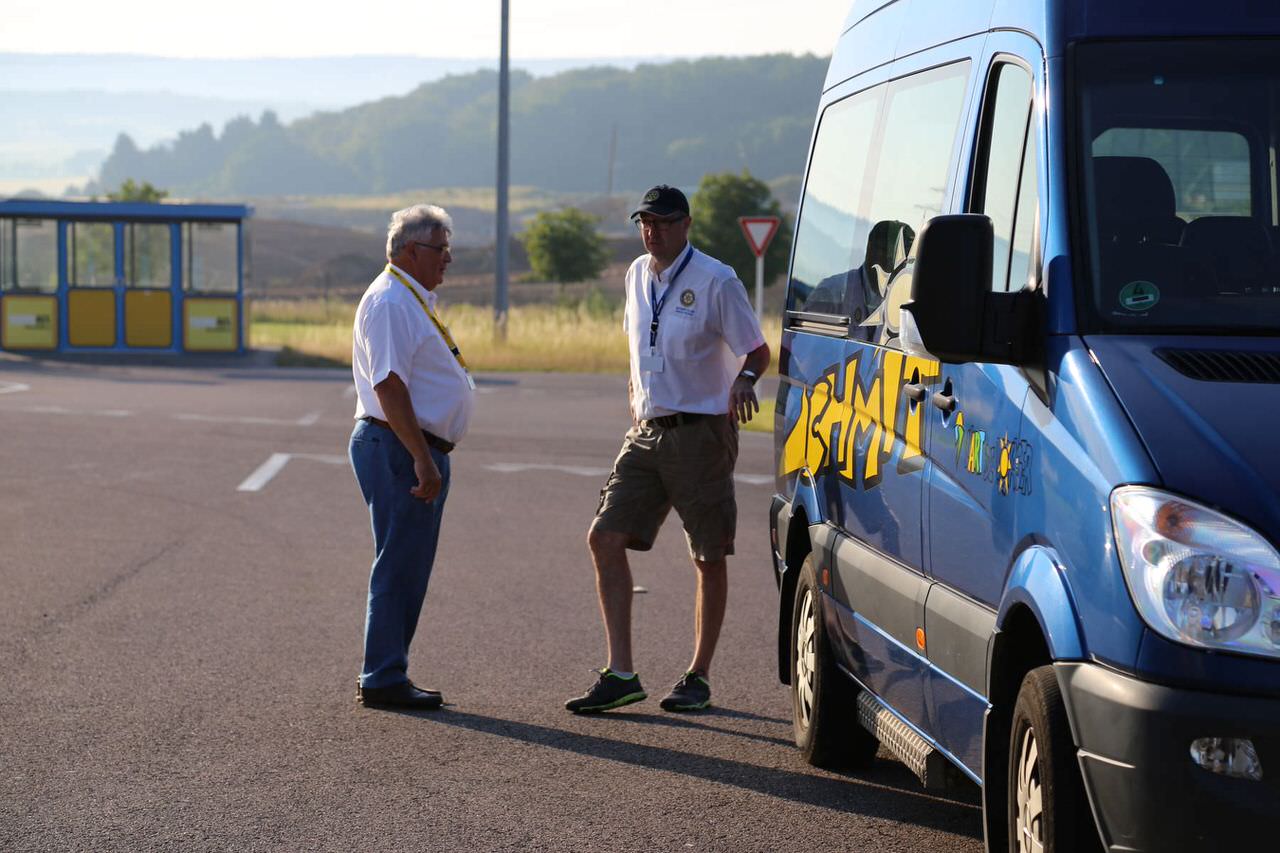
[696, 352]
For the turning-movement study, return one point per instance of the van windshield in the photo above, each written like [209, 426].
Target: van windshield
[1178, 185]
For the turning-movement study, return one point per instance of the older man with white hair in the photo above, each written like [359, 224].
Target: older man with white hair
[414, 397]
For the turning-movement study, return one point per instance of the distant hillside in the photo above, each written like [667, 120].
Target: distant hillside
[673, 122]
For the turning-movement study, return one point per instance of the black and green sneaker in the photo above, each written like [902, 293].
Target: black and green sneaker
[609, 692]
[691, 693]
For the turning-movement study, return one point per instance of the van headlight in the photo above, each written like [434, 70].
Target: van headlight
[1197, 576]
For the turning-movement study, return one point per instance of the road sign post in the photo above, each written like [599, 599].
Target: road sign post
[759, 231]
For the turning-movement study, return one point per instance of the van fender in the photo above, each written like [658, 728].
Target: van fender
[804, 505]
[1037, 582]
[806, 495]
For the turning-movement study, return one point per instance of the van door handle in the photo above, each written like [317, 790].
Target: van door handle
[946, 402]
[915, 391]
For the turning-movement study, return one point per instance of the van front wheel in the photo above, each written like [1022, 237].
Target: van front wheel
[1048, 811]
[823, 712]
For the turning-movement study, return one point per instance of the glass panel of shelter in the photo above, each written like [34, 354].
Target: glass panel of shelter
[29, 255]
[210, 257]
[91, 254]
[148, 255]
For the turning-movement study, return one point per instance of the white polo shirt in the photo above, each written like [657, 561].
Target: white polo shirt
[705, 329]
[392, 334]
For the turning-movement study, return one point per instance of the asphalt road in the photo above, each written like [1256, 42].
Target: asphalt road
[183, 558]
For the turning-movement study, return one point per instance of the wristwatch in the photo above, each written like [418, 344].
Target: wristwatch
[749, 374]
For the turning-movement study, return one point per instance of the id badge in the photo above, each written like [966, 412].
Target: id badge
[652, 363]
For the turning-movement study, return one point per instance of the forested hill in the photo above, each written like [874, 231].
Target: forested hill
[674, 122]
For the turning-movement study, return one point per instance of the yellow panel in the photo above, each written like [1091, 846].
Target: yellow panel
[210, 324]
[29, 322]
[91, 317]
[148, 321]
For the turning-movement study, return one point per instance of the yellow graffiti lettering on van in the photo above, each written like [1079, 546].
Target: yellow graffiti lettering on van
[867, 415]
[808, 443]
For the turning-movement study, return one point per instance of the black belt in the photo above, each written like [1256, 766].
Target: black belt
[432, 440]
[678, 419]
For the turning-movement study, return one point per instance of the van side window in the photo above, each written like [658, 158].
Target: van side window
[1005, 177]
[825, 255]
[873, 183]
[1024, 223]
[909, 186]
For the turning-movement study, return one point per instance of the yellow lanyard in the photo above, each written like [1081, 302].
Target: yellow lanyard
[441, 327]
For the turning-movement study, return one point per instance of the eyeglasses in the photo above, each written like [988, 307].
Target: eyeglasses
[442, 248]
[653, 224]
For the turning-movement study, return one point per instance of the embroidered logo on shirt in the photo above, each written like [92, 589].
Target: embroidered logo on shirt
[686, 298]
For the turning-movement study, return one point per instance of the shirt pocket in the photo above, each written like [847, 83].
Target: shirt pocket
[688, 335]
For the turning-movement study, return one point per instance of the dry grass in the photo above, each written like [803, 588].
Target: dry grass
[585, 337]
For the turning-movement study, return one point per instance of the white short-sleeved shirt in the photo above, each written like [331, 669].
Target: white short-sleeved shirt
[392, 334]
[705, 329]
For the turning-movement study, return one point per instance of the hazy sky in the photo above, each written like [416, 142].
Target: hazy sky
[461, 29]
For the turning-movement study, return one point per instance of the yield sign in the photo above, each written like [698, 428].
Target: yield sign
[759, 231]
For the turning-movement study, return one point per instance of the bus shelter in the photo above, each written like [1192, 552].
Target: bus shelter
[122, 276]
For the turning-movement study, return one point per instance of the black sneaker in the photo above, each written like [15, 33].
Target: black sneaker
[609, 692]
[691, 693]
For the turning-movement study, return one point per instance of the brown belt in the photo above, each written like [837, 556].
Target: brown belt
[678, 419]
[432, 440]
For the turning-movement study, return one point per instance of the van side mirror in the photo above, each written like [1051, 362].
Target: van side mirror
[953, 314]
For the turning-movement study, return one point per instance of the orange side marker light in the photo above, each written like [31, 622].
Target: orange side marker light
[920, 638]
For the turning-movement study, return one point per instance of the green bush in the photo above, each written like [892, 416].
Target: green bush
[564, 246]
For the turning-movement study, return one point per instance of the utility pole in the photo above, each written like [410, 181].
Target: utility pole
[504, 179]
[613, 158]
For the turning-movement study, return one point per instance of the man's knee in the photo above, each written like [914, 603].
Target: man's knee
[712, 568]
[606, 543]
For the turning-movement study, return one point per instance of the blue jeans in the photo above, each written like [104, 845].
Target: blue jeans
[405, 533]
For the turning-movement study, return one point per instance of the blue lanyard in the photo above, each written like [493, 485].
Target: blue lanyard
[658, 303]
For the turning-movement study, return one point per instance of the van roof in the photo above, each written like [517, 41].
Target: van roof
[878, 31]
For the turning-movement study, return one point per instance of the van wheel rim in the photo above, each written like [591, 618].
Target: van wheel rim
[806, 659]
[1029, 817]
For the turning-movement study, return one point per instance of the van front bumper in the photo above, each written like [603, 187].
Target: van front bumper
[1146, 791]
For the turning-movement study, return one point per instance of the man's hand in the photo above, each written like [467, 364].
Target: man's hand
[742, 400]
[429, 480]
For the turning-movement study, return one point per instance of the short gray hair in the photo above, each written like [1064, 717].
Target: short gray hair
[414, 222]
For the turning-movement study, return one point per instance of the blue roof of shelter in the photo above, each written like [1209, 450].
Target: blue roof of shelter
[134, 210]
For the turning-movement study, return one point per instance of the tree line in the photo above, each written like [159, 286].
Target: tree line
[585, 130]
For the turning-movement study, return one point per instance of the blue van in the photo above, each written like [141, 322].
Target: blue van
[1028, 429]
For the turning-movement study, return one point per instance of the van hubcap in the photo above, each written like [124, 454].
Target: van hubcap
[1029, 817]
[806, 659]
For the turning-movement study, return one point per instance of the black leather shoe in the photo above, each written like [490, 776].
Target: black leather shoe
[402, 695]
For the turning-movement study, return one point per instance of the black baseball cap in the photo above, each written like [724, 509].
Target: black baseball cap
[663, 201]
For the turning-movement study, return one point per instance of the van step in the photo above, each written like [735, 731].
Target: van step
[932, 768]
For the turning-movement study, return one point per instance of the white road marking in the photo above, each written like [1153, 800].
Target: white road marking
[518, 467]
[62, 410]
[305, 420]
[583, 471]
[13, 387]
[275, 464]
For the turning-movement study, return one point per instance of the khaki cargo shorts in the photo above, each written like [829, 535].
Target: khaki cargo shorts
[689, 467]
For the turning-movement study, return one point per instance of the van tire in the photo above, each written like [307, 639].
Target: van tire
[822, 698]
[1047, 806]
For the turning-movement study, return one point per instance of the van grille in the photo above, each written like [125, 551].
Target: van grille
[1224, 365]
